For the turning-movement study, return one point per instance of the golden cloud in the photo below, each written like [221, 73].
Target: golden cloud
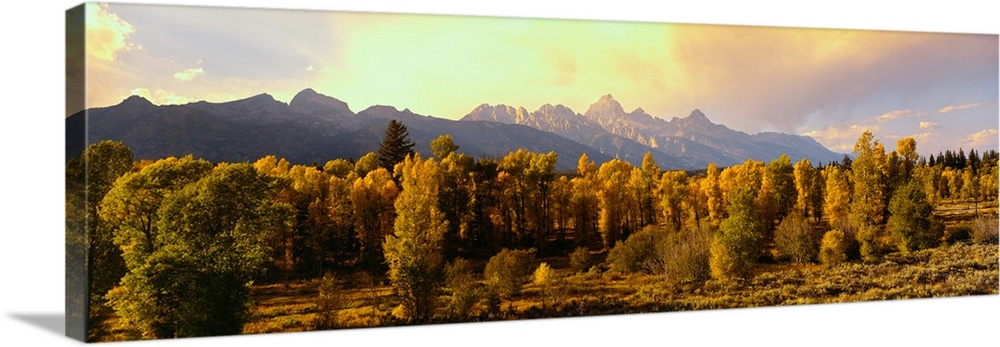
[161, 97]
[899, 114]
[947, 109]
[189, 74]
[841, 138]
[982, 139]
[107, 35]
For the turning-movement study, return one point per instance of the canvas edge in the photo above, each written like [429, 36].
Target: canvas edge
[76, 251]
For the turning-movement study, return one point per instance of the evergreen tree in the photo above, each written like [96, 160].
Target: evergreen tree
[974, 161]
[949, 159]
[960, 159]
[396, 145]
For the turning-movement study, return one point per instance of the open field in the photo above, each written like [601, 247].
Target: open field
[957, 269]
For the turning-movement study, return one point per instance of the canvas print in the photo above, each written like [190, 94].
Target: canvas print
[243, 171]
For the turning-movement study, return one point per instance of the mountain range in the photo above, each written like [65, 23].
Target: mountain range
[314, 128]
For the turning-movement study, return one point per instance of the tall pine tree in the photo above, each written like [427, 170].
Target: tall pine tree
[396, 145]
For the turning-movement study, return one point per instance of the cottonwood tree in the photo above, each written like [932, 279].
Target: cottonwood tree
[837, 200]
[644, 182]
[414, 251]
[455, 196]
[368, 163]
[131, 207]
[372, 200]
[508, 271]
[525, 179]
[332, 240]
[737, 245]
[804, 174]
[715, 200]
[88, 242]
[443, 145]
[673, 192]
[585, 204]
[777, 194]
[970, 187]
[907, 151]
[695, 204]
[910, 220]
[465, 289]
[868, 203]
[338, 167]
[615, 201]
[208, 249]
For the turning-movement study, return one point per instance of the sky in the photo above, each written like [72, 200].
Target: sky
[939, 88]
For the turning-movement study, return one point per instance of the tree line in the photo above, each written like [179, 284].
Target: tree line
[175, 243]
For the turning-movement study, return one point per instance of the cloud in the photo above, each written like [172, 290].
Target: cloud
[948, 109]
[929, 125]
[161, 97]
[312, 68]
[840, 138]
[921, 137]
[107, 35]
[983, 139]
[189, 74]
[899, 114]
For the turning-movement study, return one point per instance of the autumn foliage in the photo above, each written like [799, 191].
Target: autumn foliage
[176, 242]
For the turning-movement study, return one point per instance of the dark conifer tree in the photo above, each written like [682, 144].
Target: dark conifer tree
[973, 161]
[960, 159]
[396, 145]
[845, 163]
[949, 159]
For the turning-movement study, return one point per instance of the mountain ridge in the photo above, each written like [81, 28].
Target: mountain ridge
[313, 128]
[692, 141]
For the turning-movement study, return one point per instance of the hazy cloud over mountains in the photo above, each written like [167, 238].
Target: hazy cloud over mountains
[801, 81]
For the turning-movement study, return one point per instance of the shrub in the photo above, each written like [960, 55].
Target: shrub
[985, 230]
[833, 250]
[329, 302]
[508, 270]
[638, 252]
[736, 246]
[579, 260]
[910, 222]
[796, 239]
[684, 256]
[543, 278]
[465, 290]
[958, 233]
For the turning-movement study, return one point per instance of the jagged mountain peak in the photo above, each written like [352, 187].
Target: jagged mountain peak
[697, 115]
[555, 108]
[499, 113]
[605, 108]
